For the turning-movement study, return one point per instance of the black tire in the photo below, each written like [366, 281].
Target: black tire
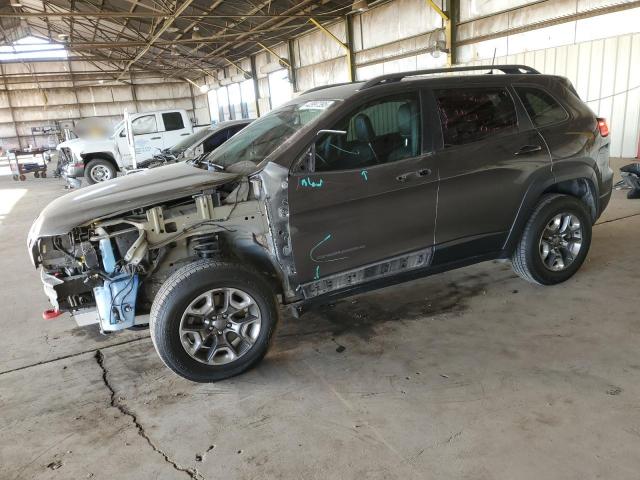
[43, 175]
[98, 163]
[185, 285]
[526, 259]
[36, 175]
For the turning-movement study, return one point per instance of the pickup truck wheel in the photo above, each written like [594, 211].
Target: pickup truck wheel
[555, 241]
[99, 170]
[212, 320]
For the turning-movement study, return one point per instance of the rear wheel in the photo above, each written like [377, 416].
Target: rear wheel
[99, 170]
[555, 241]
[213, 320]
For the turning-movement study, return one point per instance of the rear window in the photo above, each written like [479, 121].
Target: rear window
[472, 114]
[172, 121]
[541, 107]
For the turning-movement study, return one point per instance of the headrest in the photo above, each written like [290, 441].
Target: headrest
[364, 128]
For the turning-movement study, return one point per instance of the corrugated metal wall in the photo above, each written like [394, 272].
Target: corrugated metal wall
[30, 104]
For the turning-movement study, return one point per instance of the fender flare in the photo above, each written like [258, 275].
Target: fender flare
[555, 182]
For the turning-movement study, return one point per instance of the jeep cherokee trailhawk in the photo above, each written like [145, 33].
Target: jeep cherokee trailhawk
[344, 189]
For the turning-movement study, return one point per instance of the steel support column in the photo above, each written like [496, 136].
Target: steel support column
[346, 47]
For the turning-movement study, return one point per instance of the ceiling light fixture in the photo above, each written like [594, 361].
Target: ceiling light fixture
[195, 33]
[204, 88]
[360, 6]
[16, 4]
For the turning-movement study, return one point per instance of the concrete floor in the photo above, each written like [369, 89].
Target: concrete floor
[469, 374]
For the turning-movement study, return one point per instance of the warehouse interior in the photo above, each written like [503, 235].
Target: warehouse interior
[472, 373]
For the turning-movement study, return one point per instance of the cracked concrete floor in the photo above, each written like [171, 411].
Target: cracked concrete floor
[469, 374]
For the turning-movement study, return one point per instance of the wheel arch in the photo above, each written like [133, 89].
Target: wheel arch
[107, 156]
[580, 184]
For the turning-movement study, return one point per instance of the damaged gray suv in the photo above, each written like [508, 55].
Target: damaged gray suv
[345, 189]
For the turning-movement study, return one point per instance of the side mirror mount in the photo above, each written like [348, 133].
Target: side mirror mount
[199, 150]
[309, 161]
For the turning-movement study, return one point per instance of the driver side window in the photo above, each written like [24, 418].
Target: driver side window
[383, 131]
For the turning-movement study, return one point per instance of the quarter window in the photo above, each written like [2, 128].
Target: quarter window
[541, 107]
[172, 121]
[473, 114]
[383, 131]
[143, 125]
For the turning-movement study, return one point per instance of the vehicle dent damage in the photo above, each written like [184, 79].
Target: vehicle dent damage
[112, 268]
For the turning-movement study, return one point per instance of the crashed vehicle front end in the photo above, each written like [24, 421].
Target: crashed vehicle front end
[106, 250]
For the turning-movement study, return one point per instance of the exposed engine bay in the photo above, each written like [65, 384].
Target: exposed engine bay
[111, 269]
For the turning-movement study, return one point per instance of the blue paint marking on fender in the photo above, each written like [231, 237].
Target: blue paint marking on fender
[316, 275]
[365, 174]
[307, 182]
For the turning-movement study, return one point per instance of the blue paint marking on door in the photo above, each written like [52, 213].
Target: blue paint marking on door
[307, 182]
[365, 174]
[317, 245]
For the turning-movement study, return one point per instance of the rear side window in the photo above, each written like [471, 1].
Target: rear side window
[472, 114]
[172, 121]
[541, 107]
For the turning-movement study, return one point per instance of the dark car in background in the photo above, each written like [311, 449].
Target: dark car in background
[344, 189]
[198, 143]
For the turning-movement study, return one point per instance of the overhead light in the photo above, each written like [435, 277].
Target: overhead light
[204, 88]
[172, 29]
[101, 81]
[360, 6]
[16, 4]
[435, 52]
[63, 36]
[195, 33]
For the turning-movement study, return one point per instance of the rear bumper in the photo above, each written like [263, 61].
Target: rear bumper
[605, 197]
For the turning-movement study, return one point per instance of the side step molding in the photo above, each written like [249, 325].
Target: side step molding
[373, 271]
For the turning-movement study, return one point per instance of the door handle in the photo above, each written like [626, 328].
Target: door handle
[528, 149]
[424, 172]
[156, 138]
[183, 134]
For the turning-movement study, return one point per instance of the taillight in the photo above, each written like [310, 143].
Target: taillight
[603, 127]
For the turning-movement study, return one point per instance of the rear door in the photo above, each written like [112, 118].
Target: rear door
[489, 155]
[174, 127]
[372, 194]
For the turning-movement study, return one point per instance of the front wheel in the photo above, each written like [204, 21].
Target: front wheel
[555, 241]
[99, 170]
[212, 320]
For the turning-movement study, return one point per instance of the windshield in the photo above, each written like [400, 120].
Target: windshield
[255, 142]
[117, 128]
[192, 139]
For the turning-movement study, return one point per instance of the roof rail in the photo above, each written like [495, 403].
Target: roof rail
[322, 87]
[396, 77]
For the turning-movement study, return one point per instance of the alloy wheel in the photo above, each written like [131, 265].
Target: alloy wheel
[220, 326]
[561, 241]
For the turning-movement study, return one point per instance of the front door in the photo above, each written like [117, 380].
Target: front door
[490, 155]
[147, 138]
[372, 193]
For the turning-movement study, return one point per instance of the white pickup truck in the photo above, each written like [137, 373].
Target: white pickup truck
[100, 160]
